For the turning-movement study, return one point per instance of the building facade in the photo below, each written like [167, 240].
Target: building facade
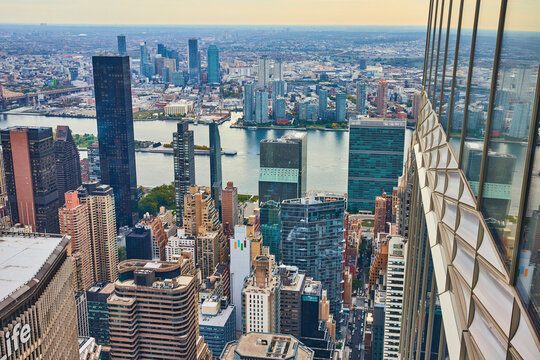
[270, 227]
[229, 208]
[249, 102]
[312, 240]
[361, 98]
[382, 98]
[213, 65]
[217, 324]
[283, 168]
[474, 209]
[261, 107]
[375, 160]
[194, 61]
[184, 166]
[30, 174]
[68, 163]
[215, 165]
[114, 113]
[98, 314]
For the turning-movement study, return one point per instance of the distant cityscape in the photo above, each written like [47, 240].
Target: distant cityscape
[244, 192]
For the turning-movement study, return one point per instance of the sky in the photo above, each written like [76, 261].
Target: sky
[216, 12]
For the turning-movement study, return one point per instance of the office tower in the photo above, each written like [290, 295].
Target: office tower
[270, 228]
[37, 314]
[30, 172]
[162, 50]
[200, 211]
[73, 73]
[382, 98]
[139, 243]
[397, 253]
[68, 168]
[217, 324]
[261, 107]
[375, 160]
[81, 308]
[260, 298]
[184, 166]
[112, 86]
[98, 315]
[249, 102]
[94, 165]
[263, 72]
[177, 78]
[290, 299]
[341, 108]
[240, 249]
[180, 243]
[266, 347]
[303, 110]
[229, 208]
[277, 70]
[100, 200]
[194, 61]
[485, 279]
[208, 248]
[147, 282]
[122, 49]
[323, 103]
[215, 164]
[278, 90]
[283, 168]
[361, 98]
[213, 65]
[75, 221]
[280, 108]
[318, 253]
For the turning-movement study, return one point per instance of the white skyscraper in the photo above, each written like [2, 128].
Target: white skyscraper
[394, 296]
[263, 72]
[240, 250]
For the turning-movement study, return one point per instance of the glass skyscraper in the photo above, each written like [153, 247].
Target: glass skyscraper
[270, 228]
[249, 102]
[112, 86]
[361, 98]
[341, 107]
[215, 165]
[261, 107]
[194, 61]
[184, 166]
[283, 168]
[213, 65]
[122, 50]
[312, 240]
[473, 242]
[375, 160]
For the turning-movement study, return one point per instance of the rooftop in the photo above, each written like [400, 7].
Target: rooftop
[267, 346]
[377, 122]
[217, 320]
[22, 257]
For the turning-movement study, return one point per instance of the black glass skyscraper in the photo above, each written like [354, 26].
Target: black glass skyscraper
[122, 49]
[215, 164]
[68, 164]
[112, 86]
[194, 61]
[184, 166]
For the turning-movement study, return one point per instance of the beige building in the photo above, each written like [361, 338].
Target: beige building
[207, 251]
[100, 201]
[266, 346]
[260, 298]
[182, 107]
[37, 309]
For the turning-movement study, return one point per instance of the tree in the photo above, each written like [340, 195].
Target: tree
[159, 196]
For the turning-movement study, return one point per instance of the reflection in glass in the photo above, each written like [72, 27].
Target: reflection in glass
[446, 81]
[433, 43]
[462, 69]
[439, 54]
[482, 69]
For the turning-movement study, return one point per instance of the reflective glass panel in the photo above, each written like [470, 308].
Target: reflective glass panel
[462, 69]
[439, 54]
[433, 44]
[482, 69]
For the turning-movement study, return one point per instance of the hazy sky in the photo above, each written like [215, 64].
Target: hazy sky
[178, 12]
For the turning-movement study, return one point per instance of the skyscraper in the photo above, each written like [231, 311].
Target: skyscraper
[382, 98]
[229, 208]
[270, 228]
[323, 103]
[37, 314]
[75, 222]
[122, 49]
[312, 240]
[341, 107]
[184, 166]
[112, 86]
[240, 249]
[98, 315]
[94, 165]
[261, 107]
[486, 286]
[194, 61]
[375, 160]
[361, 98]
[175, 289]
[30, 172]
[100, 201]
[215, 165]
[283, 168]
[263, 72]
[278, 90]
[277, 70]
[249, 102]
[68, 168]
[213, 65]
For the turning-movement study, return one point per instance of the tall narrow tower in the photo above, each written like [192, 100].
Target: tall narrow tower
[184, 166]
[215, 165]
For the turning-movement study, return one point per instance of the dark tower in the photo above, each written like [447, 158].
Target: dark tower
[112, 86]
[31, 177]
[215, 165]
[194, 61]
[122, 49]
[184, 166]
[68, 168]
